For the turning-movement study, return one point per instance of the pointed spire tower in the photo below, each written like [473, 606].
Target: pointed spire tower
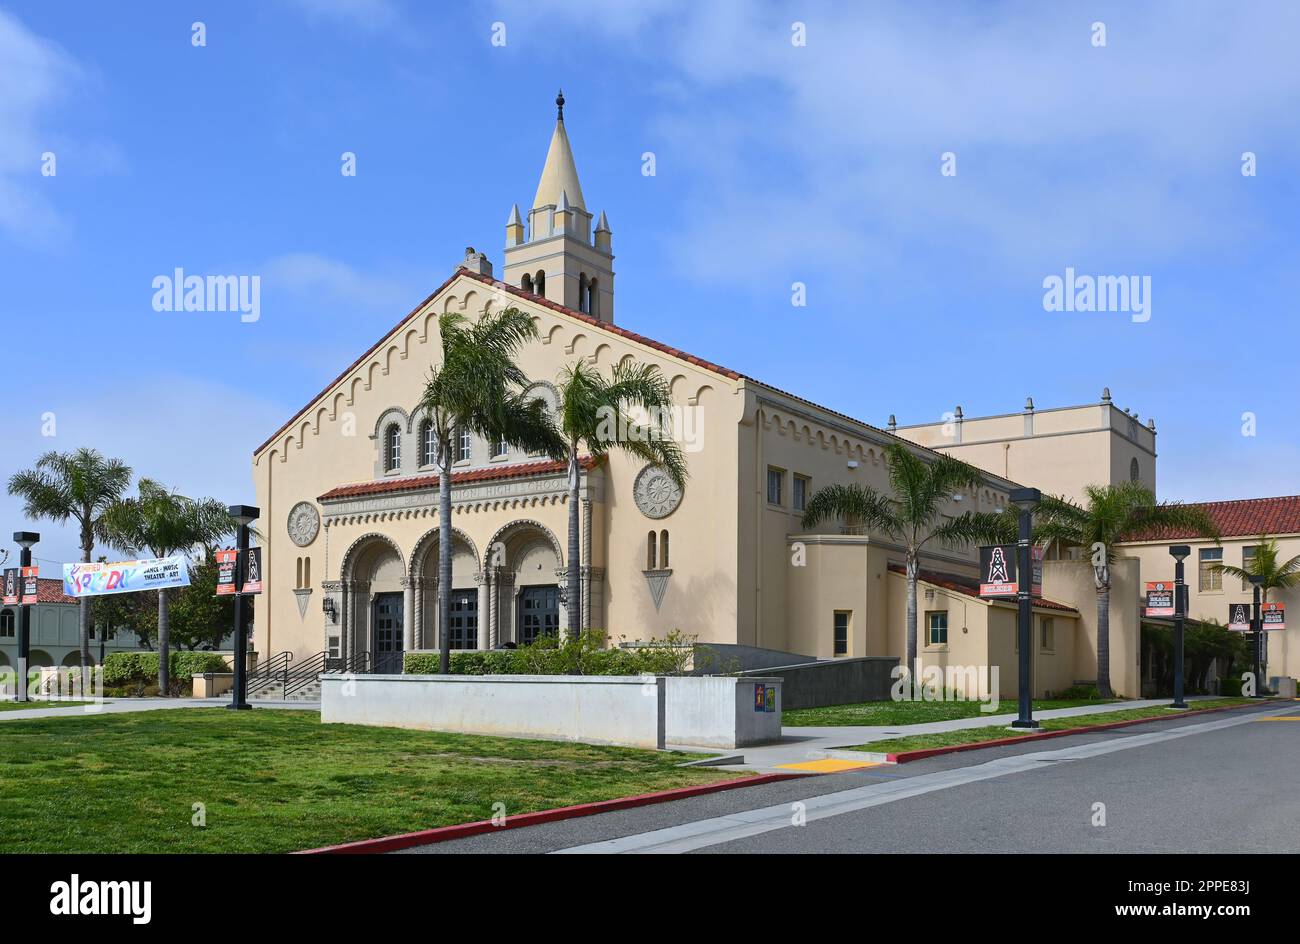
[560, 257]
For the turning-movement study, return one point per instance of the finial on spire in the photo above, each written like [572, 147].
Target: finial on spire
[559, 106]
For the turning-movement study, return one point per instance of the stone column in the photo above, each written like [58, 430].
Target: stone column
[345, 609]
[408, 614]
[484, 598]
[418, 584]
[493, 613]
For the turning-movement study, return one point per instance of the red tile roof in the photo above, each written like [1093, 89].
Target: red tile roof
[1246, 517]
[491, 474]
[970, 586]
[50, 590]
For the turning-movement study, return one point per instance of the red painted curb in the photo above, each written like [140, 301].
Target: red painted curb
[444, 833]
[905, 756]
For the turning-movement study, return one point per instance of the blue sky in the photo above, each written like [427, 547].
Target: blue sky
[776, 163]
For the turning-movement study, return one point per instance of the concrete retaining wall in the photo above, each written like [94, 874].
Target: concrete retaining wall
[837, 682]
[722, 711]
[718, 658]
[631, 711]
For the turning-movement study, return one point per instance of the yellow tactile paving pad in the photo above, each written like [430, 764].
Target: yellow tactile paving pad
[829, 765]
[1280, 718]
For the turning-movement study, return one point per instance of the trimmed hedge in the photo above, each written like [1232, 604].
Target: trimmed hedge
[1230, 686]
[535, 661]
[141, 668]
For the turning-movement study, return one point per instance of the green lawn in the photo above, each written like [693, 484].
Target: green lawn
[276, 781]
[912, 712]
[37, 703]
[918, 742]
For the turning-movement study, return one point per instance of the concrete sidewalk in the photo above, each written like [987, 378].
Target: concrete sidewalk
[799, 745]
[123, 705]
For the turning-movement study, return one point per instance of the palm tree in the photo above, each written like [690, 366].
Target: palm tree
[912, 515]
[1112, 513]
[1277, 574]
[479, 388]
[75, 486]
[164, 523]
[594, 412]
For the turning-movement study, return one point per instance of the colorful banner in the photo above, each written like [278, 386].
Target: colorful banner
[92, 580]
[31, 585]
[1239, 617]
[1160, 599]
[1272, 616]
[228, 561]
[11, 586]
[998, 571]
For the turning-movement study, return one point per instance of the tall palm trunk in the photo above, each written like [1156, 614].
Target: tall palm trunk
[572, 579]
[83, 617]
[1103, 640]
[164, 646]
[444, 555]
[913, 566]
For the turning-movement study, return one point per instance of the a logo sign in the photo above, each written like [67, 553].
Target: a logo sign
[31, 585]
[1272, 616]
[760, 697]
[1160, 598]
[101, 579]
[228, 562]
[11, 586]
[1239, 617]
[999, 574]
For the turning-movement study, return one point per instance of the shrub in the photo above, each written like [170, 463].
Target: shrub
[585, 654]
[1079, 693]
[134, 670]
[1230, 686]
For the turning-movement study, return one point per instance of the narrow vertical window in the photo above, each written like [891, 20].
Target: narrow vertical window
[393, 448]
[428, 444]
[650, 556]
[841, 633]
[466, 445]
[663, 550]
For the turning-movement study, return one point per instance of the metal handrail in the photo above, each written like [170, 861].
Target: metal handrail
[305, 673]
[278, 664]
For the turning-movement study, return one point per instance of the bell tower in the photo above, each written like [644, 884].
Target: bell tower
[558, 255]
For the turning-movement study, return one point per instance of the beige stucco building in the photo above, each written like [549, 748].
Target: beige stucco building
[348, 494]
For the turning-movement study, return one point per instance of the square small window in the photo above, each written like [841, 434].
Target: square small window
[841, 632]
[1211, 579]
[799, 497]
[775, 480]
[936, 629]
[500, 448]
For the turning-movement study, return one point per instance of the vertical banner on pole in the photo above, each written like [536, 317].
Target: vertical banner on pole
[31, 585]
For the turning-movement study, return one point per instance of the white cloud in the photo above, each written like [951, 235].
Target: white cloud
[193, 435]
[315, 277]
[36, 75]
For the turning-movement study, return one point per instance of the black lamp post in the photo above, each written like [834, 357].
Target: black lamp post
[1257, 625]
[1026, 499]
[1179, 553]
[25, 540]
[244, 515]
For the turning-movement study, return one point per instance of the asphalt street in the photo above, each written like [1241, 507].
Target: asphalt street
[1225, 782]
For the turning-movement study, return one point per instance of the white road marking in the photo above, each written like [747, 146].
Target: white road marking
[740, 825]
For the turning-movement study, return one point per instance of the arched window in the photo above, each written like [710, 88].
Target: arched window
[650, 555]
[306, 572]
[1134, 473]
[584, 294]
[526, 283]
[465, 445]
[299, 583]
[392, 448]
[663, 550]
[428, 444]
[593, 298]
[539, 282]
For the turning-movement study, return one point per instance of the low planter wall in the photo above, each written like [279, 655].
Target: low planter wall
[833, 682]
[610, 709]
[723, 711]
[630, 711]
